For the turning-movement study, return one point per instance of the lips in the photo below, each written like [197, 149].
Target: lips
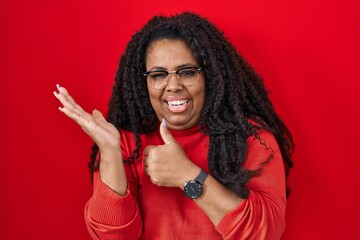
[177, 105]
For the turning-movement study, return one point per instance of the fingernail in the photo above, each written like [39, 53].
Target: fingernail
[163, 123]
[58, 87]
[55, 93]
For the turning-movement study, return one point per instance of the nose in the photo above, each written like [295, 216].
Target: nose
[174, 84]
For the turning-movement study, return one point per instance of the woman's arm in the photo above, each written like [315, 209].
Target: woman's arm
[260, 216]
[111, 216]
[104, 134]
[112, 211]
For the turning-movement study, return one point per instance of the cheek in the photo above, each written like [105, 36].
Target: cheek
[201, 92]
[153, 95]
[155, 99]
[201, 101]
[200, 96]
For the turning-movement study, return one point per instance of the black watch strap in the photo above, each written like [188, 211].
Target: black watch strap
[201, 177]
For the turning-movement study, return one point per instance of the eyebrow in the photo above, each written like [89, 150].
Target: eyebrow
[154, 68]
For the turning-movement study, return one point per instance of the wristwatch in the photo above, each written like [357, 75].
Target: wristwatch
[194, 188]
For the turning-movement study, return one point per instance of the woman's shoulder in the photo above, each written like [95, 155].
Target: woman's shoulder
[263, 137]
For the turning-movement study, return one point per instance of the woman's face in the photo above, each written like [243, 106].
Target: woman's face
[181, 106]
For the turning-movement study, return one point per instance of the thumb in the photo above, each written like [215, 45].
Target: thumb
[165, 134]
[98, 115]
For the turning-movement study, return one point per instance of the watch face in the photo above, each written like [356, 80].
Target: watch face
[193, 189]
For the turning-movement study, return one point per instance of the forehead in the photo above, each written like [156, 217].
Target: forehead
[169, 52]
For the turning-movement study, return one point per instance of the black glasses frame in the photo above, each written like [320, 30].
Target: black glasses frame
[199, 69]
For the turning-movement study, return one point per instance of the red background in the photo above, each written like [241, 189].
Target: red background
[307, 51]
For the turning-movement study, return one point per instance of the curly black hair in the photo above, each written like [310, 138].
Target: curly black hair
[235, 94]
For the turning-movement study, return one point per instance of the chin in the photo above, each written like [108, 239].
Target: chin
[179, 125]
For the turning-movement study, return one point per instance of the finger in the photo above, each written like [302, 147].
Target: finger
[71, 110]
[99, 119]
[82, 118]
[87, 122]
[165, 134]
[148, 149]
[98, 116]
[64, 96]
[146, 171]
[69, 105]
[146, 164]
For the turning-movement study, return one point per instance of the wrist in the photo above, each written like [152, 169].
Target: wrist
[110, 155]
[190, 174]
[194, 188]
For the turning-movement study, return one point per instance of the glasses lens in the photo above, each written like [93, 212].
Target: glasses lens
[157, 79]
[188, 76]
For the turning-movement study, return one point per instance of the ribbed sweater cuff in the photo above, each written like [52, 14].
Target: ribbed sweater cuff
[108, 208]
[231, 221]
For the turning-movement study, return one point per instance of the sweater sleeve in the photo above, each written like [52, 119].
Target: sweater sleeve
[262, 214]
[110, 216]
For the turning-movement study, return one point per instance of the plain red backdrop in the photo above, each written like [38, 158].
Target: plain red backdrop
[307, 52]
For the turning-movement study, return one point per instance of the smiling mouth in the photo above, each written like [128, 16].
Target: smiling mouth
[176, 104]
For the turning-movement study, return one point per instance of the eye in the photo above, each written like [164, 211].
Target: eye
[157, 75]
[187, 73]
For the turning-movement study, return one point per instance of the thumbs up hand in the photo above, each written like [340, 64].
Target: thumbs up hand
[167, 165]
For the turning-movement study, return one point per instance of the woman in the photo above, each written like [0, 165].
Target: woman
[192, 147]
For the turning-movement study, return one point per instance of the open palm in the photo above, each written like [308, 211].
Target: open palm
[103, 133]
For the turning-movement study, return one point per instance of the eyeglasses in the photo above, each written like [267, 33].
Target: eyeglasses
[159, 79]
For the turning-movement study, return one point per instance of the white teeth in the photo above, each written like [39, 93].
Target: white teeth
[177, 103]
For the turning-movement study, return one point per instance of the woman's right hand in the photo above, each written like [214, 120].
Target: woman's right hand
[106, 137]
[103, 133]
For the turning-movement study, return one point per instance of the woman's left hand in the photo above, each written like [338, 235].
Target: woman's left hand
[167, 165]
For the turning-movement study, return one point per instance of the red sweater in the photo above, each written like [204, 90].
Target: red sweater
[151, 212]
